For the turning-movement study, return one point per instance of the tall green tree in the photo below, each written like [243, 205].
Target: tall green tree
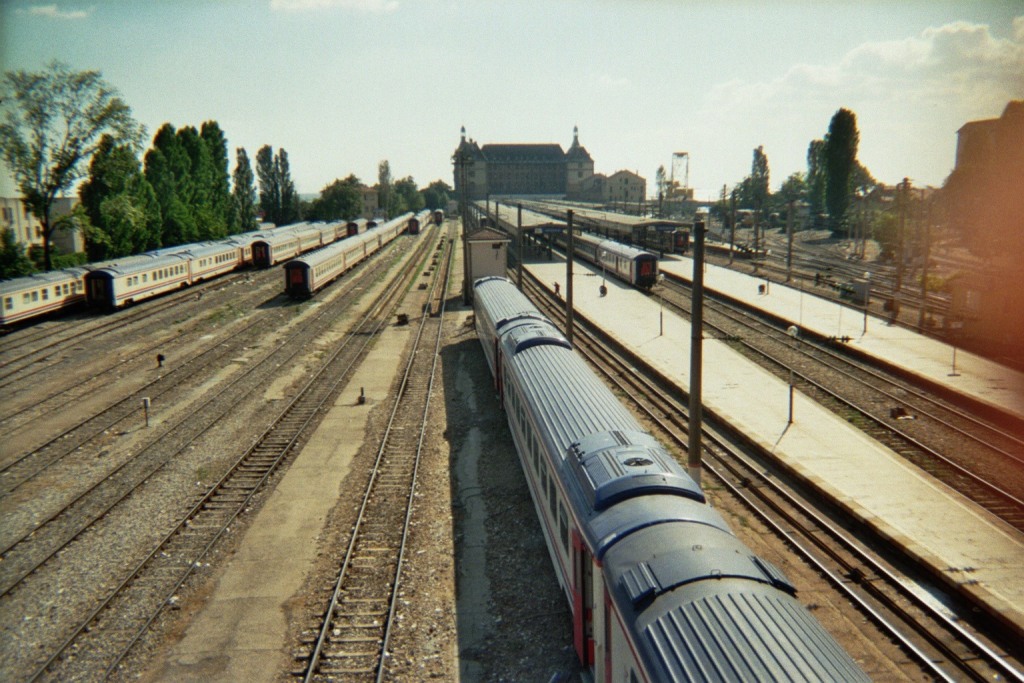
[759, 179]
[243, 193]
[200, 196]
[120, 205]
[840, 161]
[53, 122]
[816, 175]
[290, 211]
[385, 197]
[168, 168]
[270, 187]
[220, 177]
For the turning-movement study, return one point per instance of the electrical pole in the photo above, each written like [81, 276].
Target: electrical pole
[568, 278]
[519, 233]
[789, 241]
[693, 460]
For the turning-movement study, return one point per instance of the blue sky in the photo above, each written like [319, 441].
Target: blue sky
[343, 84]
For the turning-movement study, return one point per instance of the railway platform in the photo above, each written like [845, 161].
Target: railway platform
[970, 549]
[942, 365]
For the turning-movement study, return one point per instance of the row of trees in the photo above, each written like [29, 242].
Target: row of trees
[834, 177]
[59, 122]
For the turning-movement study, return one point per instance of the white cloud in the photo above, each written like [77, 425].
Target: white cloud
[910, 97]
[368, 6]
[54, 12]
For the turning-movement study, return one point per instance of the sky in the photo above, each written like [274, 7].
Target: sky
[344, 84]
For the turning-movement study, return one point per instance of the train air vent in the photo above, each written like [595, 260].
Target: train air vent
[637, 462]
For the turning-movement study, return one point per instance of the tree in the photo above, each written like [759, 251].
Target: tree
[793, 189]
[13, 261]
[661, 182]
[270, 190]
[437, 195]
[290, 212]
[816, 175]
[278, 199]
[409, 196]
[243, 194]
[840, 155]
[169, 171]
[53, 122]
[759, 178]
[120, 209]
[341, 200]
[384, 196]
[220, 177]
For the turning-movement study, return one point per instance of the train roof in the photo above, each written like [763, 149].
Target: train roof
[138, 266]
[702, 606]
[41, 279]
[503, 302]
[617, 248]
[209, 248]
[278, 237]
[605, 451]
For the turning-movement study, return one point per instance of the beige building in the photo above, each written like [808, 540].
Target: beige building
[27, 229]
[624, 187]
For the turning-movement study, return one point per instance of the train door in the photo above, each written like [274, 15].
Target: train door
[100, 292]
[583, 602]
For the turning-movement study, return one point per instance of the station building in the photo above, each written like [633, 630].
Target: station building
[539, 169]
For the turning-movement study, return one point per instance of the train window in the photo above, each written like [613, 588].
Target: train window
[8, 302]
[65, 289]
[144, 277]
[35, 296]
[26, 297]
[46, 295]
[551, 497]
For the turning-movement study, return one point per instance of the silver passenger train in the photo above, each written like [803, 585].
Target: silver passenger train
[116, 283]
[307, 275]
[627, 263]
[658, 587]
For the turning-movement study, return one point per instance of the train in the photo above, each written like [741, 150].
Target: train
[308, 274]
[116, 283]
[658, 587]
[629, 264]
[654, 234]
[419, 221]
[33, 296]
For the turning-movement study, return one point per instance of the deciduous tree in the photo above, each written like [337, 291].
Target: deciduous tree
[53, 123]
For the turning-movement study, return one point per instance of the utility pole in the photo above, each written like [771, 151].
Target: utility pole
[519, 234]
[732, 226]
[462, 160]
[789, 241]
[693, 460]
[568, 278]
[927, 233]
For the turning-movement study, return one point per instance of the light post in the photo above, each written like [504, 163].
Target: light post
[661, 306]
[867, 299]
[794, 332]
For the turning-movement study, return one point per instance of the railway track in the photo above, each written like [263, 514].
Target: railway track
[941, 633]
[28, 352]
[119, 616]
[350, 643]
[973, 456]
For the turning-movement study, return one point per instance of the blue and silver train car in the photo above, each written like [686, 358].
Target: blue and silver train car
[658, 586]
[622, 261]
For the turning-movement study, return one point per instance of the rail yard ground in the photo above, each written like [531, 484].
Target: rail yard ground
[478, 597]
